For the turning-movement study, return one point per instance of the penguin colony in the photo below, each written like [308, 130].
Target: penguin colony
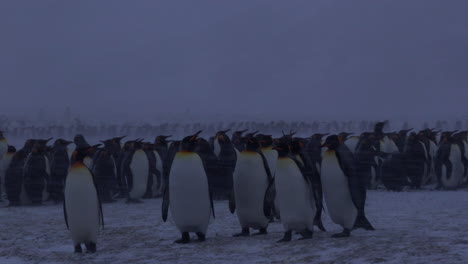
[288, 178]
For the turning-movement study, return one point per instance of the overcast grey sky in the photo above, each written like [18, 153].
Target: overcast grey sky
[324, 57]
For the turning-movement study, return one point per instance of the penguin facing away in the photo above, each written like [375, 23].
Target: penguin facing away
[188, 192]
[250, 182]
[4, 164]
[294, 193]
[344, 190]
[82, 207]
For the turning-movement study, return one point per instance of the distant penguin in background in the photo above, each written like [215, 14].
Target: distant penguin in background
[227, 156]
[136, 170]
[449, 167]
[344, 190]
[82, 207]
[188, 192]
[154, 177]
[3, 145]
[252, 177]
[236, 139]
[59, 165]
[4, 164]
[161, 147]
[105, 171]
[14, 183]
[37, 173]
[295, 194]
[416, 159]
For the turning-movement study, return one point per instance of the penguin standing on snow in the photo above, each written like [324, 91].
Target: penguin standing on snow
[449, 166]
[344, 190]
[3, 145]
[188, 192]
[294, 194]
[226, 153]
[59, 165]
[236, 139]
[105, 170]
[4, 164]
[136, 169]
[37, 172]
[82, 207]
[251, 179]
[14, 183]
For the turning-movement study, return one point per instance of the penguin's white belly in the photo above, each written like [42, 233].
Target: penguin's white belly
[217, 148]
[88, 161]
[140, 172]
[336, 192]
[452, 181]
[82, 206]
[189, 196]
[250, 183]
[295, 198]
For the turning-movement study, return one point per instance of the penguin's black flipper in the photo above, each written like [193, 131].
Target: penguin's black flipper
[212, 204]
[362, 222]
[101, 214]
[65, 215]
[269, 200]
[165, 203]
[232, 202]
[266, 166]
[357, 187]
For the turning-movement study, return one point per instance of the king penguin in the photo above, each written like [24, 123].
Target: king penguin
[344, 190]
[250, 182]
[82, 207]
[4, 164]
[137, 171]
[295, 194]
[188, 192]
[3, 145]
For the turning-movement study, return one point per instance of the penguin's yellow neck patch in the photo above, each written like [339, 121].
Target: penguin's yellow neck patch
[184, 153]
[248, 152]
[329, 152]
[3, 140]
[78, 165]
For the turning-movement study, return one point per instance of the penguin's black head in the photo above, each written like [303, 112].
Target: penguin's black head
[189, 143]
[332, 142]
[80, 141]
[108, 144]
[138, 144]
[11, 149]
[318, 136]
[265, 140]
[282, 146]
[161, 140]
[1, 134]
[239, 133]
[80, 153]
[61, 143]
[148, 146]
[222, 137]
[251, 143]
[296, 145]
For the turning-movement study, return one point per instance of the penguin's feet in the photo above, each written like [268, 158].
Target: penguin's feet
[306, 234]
[245, 232]
[287, 237]
[78, 248]
[184, 240]
[262, 231]
[345, 233]
[201, 237]
[90, 247]
[318, 223]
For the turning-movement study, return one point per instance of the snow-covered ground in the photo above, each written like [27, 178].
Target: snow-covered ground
[412, 227]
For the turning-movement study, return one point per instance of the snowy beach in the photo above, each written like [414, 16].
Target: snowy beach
[412, 227]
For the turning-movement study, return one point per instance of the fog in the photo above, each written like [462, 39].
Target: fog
[263, 59]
